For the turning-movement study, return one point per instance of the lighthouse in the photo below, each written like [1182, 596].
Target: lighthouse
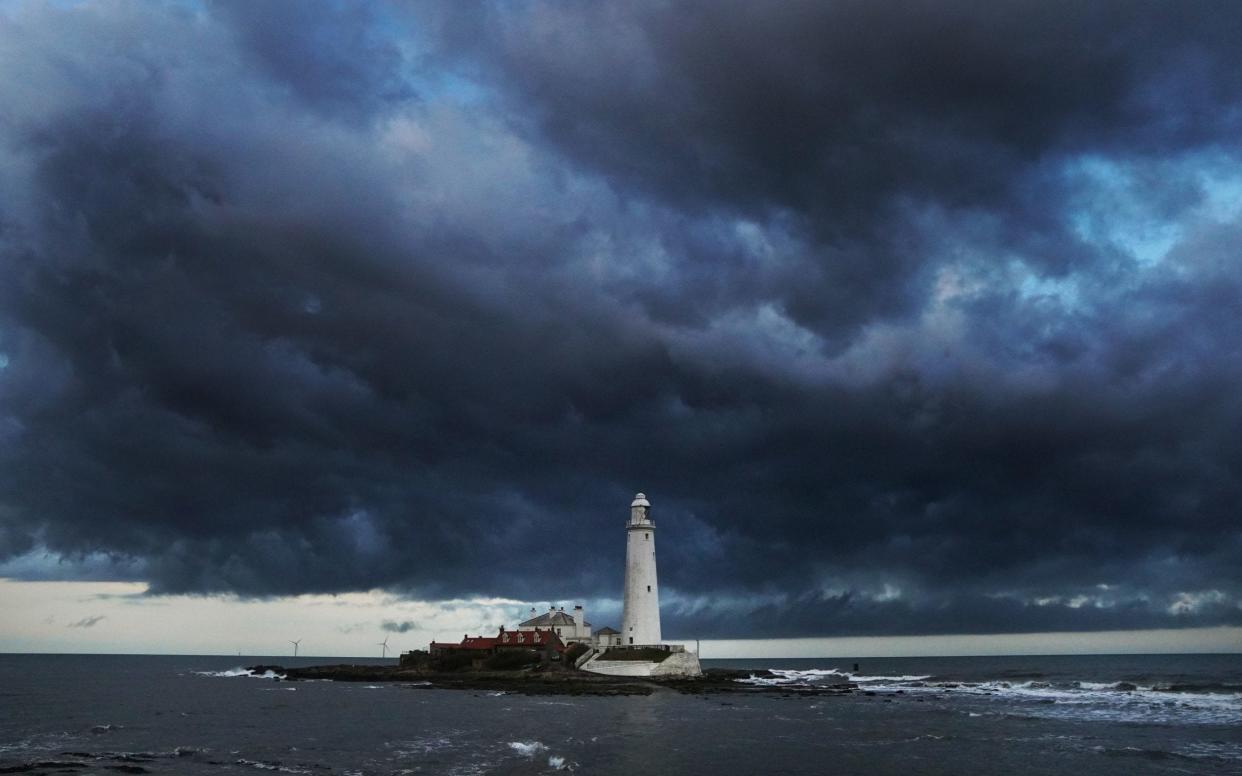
[640, 620]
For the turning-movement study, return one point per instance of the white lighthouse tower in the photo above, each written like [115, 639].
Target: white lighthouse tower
[640, 620]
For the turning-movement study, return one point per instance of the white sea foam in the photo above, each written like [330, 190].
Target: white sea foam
[765, 681]
[527, 748]
[37, 743]
[783, 676]
[262, 766]
[1114, 701]
[426, 745]
[232, 672]
[1095, 700]
[558, 763]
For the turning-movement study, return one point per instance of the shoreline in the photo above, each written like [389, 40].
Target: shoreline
[551, 682]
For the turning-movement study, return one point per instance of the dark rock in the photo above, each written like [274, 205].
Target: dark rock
[545, 680]
[43, 765]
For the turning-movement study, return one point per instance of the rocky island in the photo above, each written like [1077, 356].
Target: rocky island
[545, 679]
[559, 653]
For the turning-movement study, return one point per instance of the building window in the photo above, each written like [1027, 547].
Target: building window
[631, 639]
[648, 588]
[647, 537]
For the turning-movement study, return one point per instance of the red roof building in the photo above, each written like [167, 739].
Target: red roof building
[480, 645]
[536, 639]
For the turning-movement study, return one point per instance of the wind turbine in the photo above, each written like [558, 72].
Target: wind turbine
[384, 647]
[295, 646]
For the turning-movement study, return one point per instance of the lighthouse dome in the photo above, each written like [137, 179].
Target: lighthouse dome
[640, 500]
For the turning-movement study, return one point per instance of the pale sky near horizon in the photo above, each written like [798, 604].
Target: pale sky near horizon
[116, 617]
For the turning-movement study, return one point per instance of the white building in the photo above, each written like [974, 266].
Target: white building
[607, 637]
[571, 628]
[640, 619]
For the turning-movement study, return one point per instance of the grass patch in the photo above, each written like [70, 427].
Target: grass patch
[512, 659]
[576, 651]
[453, 661]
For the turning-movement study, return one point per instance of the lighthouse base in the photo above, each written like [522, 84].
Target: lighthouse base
[676, 664]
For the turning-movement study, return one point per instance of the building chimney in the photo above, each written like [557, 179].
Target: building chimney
[579, 618]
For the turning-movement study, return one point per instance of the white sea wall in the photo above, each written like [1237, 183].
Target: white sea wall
[679, 664]
[676, 664]
[619, 667]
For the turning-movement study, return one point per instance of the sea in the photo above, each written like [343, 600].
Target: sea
[1097, 715]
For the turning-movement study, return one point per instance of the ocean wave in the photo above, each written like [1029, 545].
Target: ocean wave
[233, 672]
[1199, 750]
[1106, 700]
[528, 748]
[792, 678]
[1208, 703]
[1199, 687]
[266, 766]
[442, 741]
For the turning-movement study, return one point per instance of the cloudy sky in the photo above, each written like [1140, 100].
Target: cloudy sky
[912, 319]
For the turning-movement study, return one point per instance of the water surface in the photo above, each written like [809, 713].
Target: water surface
[1012, 715]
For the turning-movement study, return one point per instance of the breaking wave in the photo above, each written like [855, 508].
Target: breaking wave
[1207, 703]
[527, 748]
[242, 672]
[270, 766]
[791, 678]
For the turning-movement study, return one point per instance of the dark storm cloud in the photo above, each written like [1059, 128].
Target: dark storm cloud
[405, 626]
[910, 319]
[331, 55]
[841, 116]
